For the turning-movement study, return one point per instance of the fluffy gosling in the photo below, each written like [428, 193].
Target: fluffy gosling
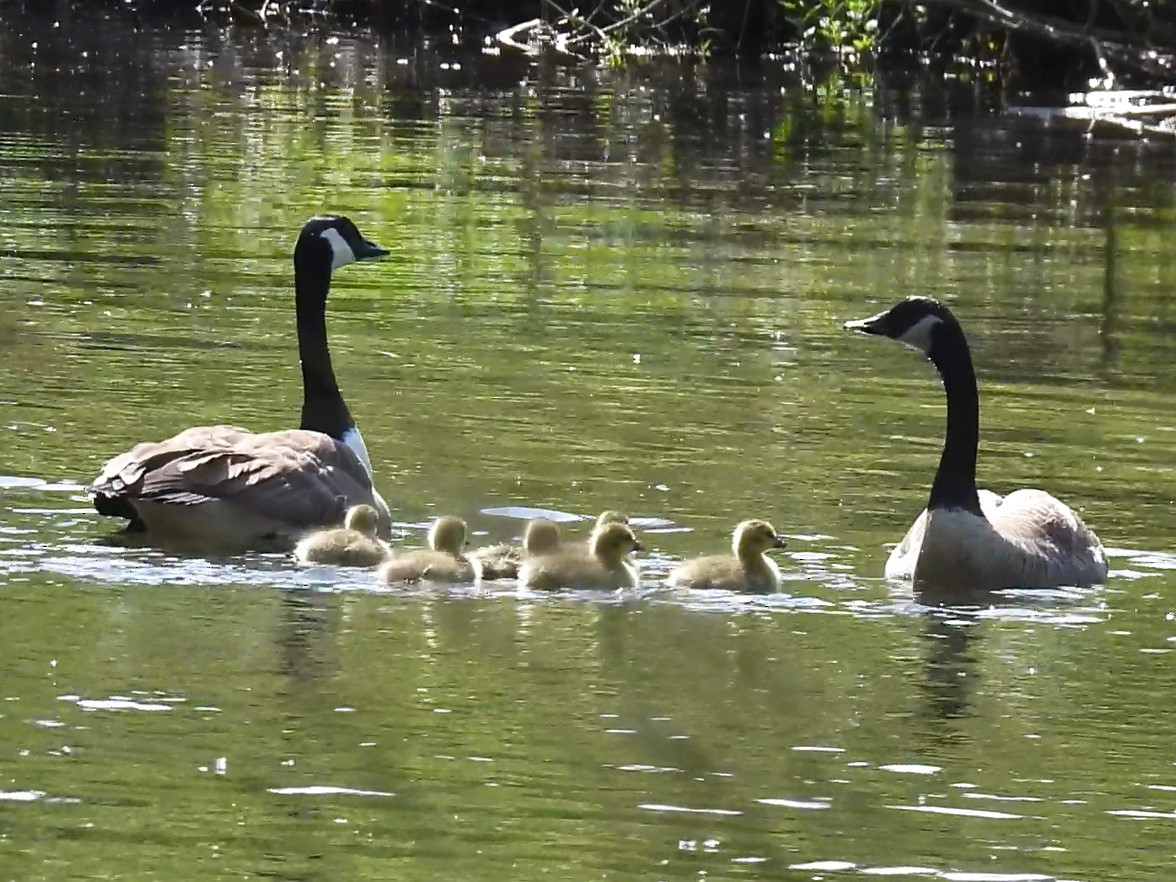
[747, 568]
[606, 517]
[604, 568]
[502, 561]
[352, 545]
[443, 561]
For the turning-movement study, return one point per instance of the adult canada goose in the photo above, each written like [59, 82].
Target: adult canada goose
[747, 568]
[353, 545]
[969, 538]
[443, 561]
[228, 488]
[502, 561]
[603, 568]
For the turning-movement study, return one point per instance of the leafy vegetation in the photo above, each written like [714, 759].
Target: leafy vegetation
[849, 28]
[1038, 42]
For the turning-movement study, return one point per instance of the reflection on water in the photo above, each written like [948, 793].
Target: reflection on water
[608, 289]
[950, 667]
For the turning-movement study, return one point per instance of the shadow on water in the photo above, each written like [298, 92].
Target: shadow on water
[950, 666]
[308, 635]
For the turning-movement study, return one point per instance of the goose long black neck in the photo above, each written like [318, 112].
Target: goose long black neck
[323, 407]
[955, 479]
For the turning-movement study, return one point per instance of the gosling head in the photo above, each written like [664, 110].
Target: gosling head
[611, 517]
[541, 537]
[612, 542]
[916, 321]
[329, 241]
[755, 537]
[448, 534]
[362, 519]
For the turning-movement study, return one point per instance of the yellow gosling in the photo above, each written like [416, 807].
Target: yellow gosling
[606, 517]
[502, 561]
[611, 517]
[604, 568]
[352, 545]
[747, 568]
[443, 561]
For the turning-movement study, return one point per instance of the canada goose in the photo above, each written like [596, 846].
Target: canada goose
[352, 545]
[443, 561]
[746, 568]
[604, 568]
[502, 561]
[229, 488]
[969, 538]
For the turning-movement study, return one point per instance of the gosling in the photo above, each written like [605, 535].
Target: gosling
[747, 568]
[502, 561]
[611, 517]
[443, 561]
[604, 568]
[352, 545]
[606, 517]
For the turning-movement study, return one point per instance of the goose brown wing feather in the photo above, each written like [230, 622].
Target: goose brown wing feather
[295, 476]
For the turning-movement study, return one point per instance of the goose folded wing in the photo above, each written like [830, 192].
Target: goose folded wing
[1034, 515]
[299, 477]
[123, 475]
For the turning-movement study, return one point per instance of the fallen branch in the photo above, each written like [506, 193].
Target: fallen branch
[1096, 120]
[1127, 49]
[507, 36]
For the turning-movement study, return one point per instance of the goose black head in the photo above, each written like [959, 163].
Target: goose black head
[915, 321]
[329, 241]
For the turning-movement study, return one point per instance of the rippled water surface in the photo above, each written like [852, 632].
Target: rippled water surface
[606, 290]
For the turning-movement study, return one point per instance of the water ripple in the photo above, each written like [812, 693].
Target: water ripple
[661, 807]
[326, 790]
[960, 812]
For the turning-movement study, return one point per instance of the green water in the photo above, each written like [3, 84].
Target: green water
[606, 290]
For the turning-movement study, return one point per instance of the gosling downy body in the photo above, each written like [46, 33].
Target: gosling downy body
[443, 561]
[746, 568]
[603, 568]
[502, 561]
[226, 488]
[970, 539]
[355, 544]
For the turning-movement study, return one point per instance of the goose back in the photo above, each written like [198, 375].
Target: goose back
[230, 486]
[1027, 539]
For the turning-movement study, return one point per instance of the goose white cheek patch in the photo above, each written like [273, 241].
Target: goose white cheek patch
[918, 335]
[340, 250]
